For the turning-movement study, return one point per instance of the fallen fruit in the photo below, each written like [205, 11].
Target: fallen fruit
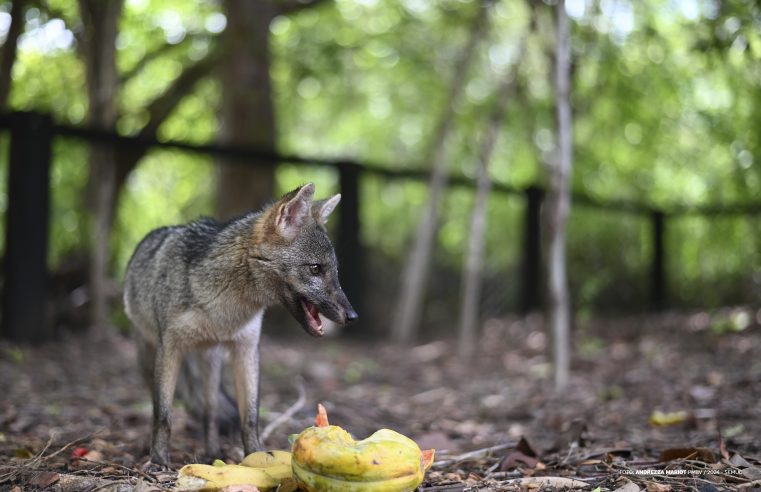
[266, 459]
[327, 459]
[276, 463]
[668, 418]
[208, 477]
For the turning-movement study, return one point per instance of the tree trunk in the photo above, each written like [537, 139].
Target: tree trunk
[9, 50]
[409, 304]
[473, 262]
[100, 19]
[559, 204]
[247, 116]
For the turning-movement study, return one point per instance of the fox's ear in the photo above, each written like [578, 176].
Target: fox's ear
[292, 210]
[323, 208]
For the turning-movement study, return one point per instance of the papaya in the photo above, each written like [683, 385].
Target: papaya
[326, 458]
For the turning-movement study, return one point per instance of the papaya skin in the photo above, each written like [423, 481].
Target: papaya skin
[326, 458]
[313, 482]
[331, 451]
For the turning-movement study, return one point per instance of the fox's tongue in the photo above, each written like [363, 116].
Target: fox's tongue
[313, 318]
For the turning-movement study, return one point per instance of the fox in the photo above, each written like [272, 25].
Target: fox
[203, 288]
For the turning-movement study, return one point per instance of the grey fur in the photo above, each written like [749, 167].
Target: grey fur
[204, 287]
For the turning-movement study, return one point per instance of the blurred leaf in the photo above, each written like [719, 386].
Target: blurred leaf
[668, 418]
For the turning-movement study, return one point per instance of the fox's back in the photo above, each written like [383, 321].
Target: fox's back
[157, 279]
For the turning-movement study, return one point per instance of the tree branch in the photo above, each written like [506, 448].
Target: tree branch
[287, 7]
[145, 60]
[9, 50]
[163, 106]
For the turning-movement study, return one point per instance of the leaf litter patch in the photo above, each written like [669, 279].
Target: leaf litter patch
[656, 403]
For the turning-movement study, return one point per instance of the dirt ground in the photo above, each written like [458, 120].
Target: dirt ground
[496, 421]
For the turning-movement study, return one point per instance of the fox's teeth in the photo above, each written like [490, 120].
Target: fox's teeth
[312, 313]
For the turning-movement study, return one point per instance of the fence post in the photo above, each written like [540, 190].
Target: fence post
[26, 231]
[658, 270]
[531, 271]
[350, 252]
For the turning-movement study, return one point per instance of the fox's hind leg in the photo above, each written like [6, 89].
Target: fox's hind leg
[146, 359]
[167, 367]
[211, 376]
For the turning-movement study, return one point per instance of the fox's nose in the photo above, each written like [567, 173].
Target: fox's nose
[351, 316]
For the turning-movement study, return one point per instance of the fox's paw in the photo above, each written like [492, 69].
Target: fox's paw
[153, 467]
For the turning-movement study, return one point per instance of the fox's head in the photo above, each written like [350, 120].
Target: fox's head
[298, 252]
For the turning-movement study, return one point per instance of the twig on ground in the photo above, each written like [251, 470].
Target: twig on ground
[478, 453]
[549, 482]
[32, 463]
[289, 413]
[502, 475]
[129, 470]
[440, 488]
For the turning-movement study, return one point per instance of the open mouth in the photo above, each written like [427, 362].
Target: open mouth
[313, 318]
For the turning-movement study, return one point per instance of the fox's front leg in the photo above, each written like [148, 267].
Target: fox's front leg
[245, 356]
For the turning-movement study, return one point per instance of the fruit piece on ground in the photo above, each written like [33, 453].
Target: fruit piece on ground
[217, 477]
[326, 459]
[266, 459]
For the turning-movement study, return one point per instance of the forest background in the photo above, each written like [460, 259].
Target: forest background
[665, 99]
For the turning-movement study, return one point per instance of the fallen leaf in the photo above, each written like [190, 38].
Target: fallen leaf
[752, 473]
[554, 482]
[515, 459]
[739, 461]
[22, 453]
[239, 488]
[436, 440]
[628, 486]
[143, 486]
[44, 479]
[93, 456]
[701, 454]
[657, 487]
[525, 448]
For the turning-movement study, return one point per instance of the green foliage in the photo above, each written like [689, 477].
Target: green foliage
[68, 217]
[164, 190]
[666, 112]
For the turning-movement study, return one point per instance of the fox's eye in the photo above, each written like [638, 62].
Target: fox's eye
[315, 269]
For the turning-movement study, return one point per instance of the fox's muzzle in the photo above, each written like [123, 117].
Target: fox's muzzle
[351, 316]
[346, 313]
